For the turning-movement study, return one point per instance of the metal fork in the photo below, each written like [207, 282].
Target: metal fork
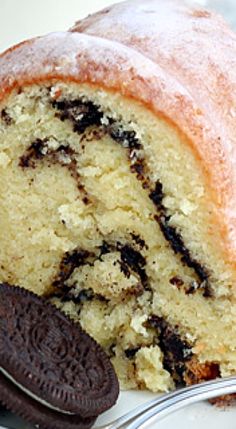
[154, 410]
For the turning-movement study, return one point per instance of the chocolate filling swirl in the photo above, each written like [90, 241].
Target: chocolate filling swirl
[84, 115]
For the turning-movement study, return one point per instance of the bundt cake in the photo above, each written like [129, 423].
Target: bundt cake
[118, 185]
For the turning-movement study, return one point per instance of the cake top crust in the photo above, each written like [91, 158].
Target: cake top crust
[194, 46]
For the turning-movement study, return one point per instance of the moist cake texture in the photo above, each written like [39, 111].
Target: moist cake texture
[109, 208]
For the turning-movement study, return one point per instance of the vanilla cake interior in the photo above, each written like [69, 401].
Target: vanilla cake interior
[105, 210]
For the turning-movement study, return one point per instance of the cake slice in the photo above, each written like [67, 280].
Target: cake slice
[118, 185]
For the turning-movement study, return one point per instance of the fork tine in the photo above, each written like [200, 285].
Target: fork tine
[179, 399]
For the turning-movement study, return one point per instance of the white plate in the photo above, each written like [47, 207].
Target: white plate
[199, 416]
[21, 19]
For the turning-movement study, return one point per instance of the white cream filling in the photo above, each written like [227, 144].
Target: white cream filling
[32, 395]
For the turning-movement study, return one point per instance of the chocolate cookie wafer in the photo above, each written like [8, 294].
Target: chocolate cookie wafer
[33, 411]
[52, 373]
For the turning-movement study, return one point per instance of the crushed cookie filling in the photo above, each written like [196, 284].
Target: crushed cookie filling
[87, 115]
[178, 246]
[138, 240]
[131, 263]
[127, 139]
[56, 153]
[157, 195]
[35, 152]
[131, 260]
[69, 262]
[6, 118]
[135, 261]
[131, 352]
[83, 114]
[68, 294]
[177, 351]
[176, 281]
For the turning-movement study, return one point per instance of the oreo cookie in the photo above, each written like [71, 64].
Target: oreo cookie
[52, 373]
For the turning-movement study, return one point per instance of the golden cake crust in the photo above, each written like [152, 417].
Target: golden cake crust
[191, 85]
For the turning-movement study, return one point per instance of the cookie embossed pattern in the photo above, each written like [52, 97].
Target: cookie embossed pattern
[52, 373]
